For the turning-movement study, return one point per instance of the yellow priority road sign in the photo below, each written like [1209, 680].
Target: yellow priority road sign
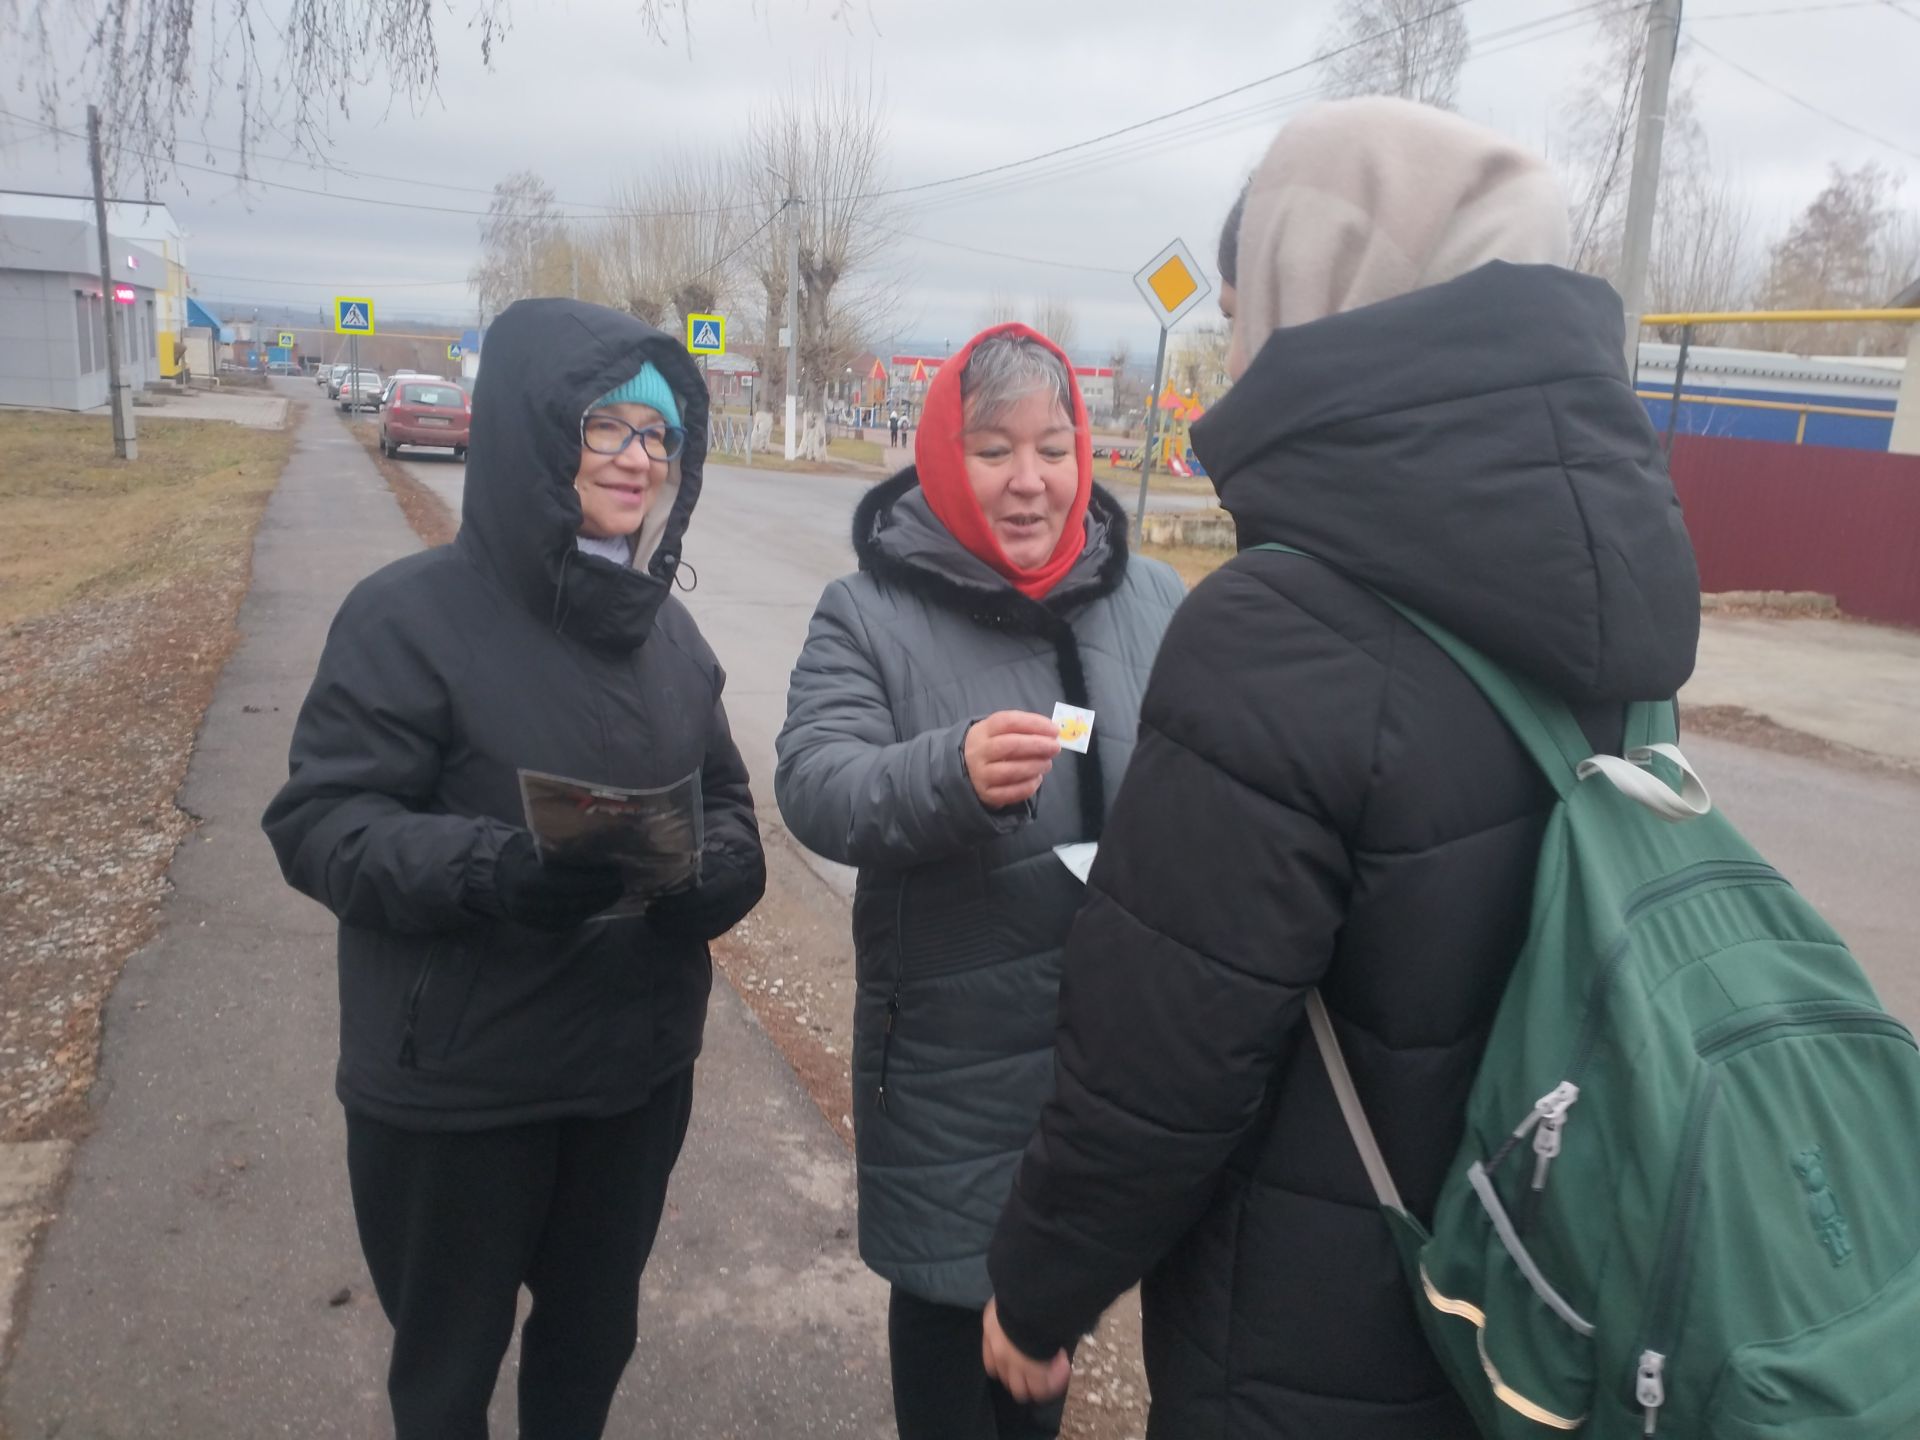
[706, 334]
[352, 315]
[1173, 283]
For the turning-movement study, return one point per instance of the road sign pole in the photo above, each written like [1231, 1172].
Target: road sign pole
[124, 445]
[1146, 450]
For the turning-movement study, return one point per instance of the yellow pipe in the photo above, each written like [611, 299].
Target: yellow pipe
[1778, 317]
[1686, 399]
[1800, 435]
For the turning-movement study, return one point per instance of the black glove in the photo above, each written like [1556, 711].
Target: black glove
[550, 895]
[731, 884]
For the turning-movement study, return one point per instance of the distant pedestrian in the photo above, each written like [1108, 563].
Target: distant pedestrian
[893, 429]
[1429, 402]
[517, 1080]
[921, 745]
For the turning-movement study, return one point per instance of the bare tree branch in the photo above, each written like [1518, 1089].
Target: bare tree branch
[1410, 48]
[522, 242]
[1842, 253]
[823, 146]
[151, 65]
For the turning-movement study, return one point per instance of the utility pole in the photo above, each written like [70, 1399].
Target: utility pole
[793, 323]
[573, 266]
[124, 445]
[1643, 191]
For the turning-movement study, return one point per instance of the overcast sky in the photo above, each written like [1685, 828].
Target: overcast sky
[581, 94]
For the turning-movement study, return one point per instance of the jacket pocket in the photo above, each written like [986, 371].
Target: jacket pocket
[436, 1004]
[1850, 1377]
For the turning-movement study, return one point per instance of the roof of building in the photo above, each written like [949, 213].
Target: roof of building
[1907, 299]
[1703, 360]
[71, 247]
[133, 219]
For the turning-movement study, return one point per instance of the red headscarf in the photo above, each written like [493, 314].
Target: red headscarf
[939, 453]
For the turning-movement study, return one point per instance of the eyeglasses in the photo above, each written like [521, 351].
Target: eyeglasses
[609, 435]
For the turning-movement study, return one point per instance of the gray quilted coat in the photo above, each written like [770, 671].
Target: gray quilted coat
[961, 913]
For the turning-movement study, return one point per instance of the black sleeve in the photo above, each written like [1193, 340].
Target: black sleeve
[1213, 907]
[352, 826]
[733, 867]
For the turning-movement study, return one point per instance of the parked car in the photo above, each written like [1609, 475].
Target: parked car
[332, 377]
[361, 390]
[425, 412]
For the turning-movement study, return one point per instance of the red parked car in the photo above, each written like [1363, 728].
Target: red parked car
[426, 412]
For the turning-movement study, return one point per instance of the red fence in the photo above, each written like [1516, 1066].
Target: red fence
[1845, 523]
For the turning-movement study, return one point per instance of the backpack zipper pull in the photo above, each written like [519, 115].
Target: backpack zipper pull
[1548, 1119]
[1650, 1388]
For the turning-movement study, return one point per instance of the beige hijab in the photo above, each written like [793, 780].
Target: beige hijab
[1358, 201]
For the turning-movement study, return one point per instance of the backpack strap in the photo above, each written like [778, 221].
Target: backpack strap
[1354, 1112]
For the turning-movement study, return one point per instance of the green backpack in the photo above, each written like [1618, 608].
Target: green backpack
[1688, 1199]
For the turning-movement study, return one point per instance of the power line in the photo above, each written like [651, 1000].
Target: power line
[1808, 105]
[199, 275]
[1902, 11]
[1562, 22]
[996, 254]
[240, 177]
[1135, 127]
[1138, 125]
[1787, 10]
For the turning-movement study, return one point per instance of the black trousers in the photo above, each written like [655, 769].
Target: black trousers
[453, 1224]
[941, 1390]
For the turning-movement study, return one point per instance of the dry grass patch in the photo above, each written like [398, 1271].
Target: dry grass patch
[77, 524]
[119, 583]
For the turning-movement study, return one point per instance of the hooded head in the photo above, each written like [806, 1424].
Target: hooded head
[1358, 201]
[546, 364]
[1004, 453]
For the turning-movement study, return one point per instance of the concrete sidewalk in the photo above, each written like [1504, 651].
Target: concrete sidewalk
[203, 1279]
[1841, 680]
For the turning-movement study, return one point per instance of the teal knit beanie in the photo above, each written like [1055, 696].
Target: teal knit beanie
[649, 388]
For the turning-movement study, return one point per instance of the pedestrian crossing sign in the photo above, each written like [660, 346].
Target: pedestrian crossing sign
[706, 334]
[352, 315]
[286, 340]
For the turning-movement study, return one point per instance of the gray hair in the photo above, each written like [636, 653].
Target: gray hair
[1003, 371]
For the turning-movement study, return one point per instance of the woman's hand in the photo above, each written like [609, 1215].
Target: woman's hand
[1030, 1381]
[1007, 755]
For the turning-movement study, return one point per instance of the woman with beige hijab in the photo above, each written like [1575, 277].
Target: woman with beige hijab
[1434, 408]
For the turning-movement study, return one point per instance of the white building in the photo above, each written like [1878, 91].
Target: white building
[54, 316]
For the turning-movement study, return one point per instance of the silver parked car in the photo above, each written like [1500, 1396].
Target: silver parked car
[360, 390]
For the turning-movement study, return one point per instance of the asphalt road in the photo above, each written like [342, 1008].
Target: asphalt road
[765, 543]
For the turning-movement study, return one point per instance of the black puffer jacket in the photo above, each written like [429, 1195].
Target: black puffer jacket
[445, 674]
[1319, 797]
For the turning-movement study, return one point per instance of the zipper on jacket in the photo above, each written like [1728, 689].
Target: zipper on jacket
[899, 978]
[1649, 1383]
[409, 1056]
[886, 1043]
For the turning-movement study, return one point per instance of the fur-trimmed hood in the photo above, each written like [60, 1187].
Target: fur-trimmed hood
[897, 538]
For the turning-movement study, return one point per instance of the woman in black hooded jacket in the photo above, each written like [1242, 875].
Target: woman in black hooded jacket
[1435, 410]
[517, 1075]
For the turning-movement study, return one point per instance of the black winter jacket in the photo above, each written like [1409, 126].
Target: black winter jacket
[445, 674]
[1319, 797]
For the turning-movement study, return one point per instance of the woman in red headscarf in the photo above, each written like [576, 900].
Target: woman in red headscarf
[922, 746]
